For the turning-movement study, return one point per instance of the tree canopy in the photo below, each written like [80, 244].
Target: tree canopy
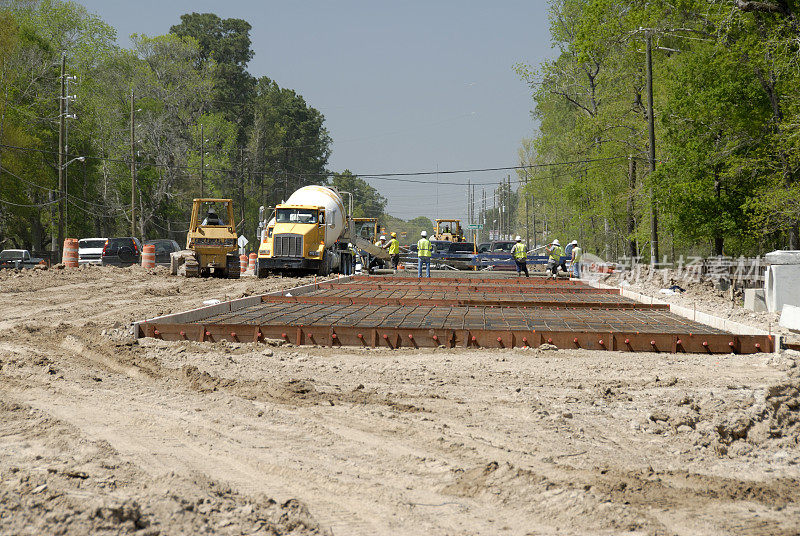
[726, 81]
[202, 123]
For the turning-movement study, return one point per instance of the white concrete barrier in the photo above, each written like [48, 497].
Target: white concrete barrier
[781, 286]
[755, 300]
[790, 317]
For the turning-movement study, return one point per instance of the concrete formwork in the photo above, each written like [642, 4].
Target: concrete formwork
[469, 311]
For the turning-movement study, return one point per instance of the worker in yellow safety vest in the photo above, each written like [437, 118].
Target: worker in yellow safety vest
[424, 251]
[394, 250]
[577, 255]
[520, 254]
[557, 258]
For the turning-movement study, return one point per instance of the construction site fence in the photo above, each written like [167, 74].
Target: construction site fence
[474, 261]
[744, 272]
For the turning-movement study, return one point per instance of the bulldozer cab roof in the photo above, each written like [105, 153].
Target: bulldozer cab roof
[211, 200]
[222, 208]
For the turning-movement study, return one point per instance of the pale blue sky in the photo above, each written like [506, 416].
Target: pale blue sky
[404, 86]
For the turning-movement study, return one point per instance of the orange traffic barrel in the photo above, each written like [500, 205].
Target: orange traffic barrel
[252, 267]
[242, 263]
[149, 256]
[70, 256]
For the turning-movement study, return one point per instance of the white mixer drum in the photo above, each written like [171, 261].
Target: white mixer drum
[323, 196]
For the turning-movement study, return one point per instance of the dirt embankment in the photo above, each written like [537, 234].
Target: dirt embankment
[103, 434]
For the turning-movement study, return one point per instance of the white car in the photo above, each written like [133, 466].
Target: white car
[90, 250]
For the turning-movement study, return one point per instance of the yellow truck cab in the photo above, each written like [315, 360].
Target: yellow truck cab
[303, 234]
[295, 238]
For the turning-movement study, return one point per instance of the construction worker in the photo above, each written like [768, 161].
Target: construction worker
[375, 262]
[424, 251]
[520, 254]
[394, 250]
[568, 249]
[557, 258]
[212, 218]
[576, 255]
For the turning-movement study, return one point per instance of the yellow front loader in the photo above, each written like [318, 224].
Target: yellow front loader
[212, 240]
[448, 230]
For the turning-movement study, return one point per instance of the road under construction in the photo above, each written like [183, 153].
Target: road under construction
[467, 310]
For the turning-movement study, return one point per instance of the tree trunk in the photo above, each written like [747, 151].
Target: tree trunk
[37, 232]
[633, 246]
[718, 238]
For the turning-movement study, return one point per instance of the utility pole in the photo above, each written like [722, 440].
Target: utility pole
[483, 211]
[474, 219]
[133, 164]
[652, 156]
[62, 100]
[510, 209]
[533, 207]
[241, 189]
[202, 159]
[498, 200]
[631, 220]
[469, 208]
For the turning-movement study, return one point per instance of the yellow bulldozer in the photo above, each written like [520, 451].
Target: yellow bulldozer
[449, 230]
[212, 241]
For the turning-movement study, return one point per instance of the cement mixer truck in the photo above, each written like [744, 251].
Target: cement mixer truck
[311, 232]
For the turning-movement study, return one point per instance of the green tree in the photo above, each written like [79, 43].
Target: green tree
[288, 140]
[226, 43]
[411, 228]
[726, 93]
[37, 35]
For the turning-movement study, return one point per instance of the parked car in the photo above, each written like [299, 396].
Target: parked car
[90, 250]
[164, 248]
[18, 259]
[122, 251]
[496, 246]
[495, 255]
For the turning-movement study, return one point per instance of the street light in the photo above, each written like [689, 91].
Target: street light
[79, 159]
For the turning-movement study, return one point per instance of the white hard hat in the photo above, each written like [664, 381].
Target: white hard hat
[383, 237]
[556, 242]
[519, 238]
[424, 233]
[574, 243]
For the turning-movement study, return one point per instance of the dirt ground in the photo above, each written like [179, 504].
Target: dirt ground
[103, 434]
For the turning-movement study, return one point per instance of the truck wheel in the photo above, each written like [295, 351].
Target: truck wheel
[260, 272]
[232, 267]
[325, 266]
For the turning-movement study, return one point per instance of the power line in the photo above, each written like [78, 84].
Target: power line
[377, 176]
[37, 205]
[25, 180]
